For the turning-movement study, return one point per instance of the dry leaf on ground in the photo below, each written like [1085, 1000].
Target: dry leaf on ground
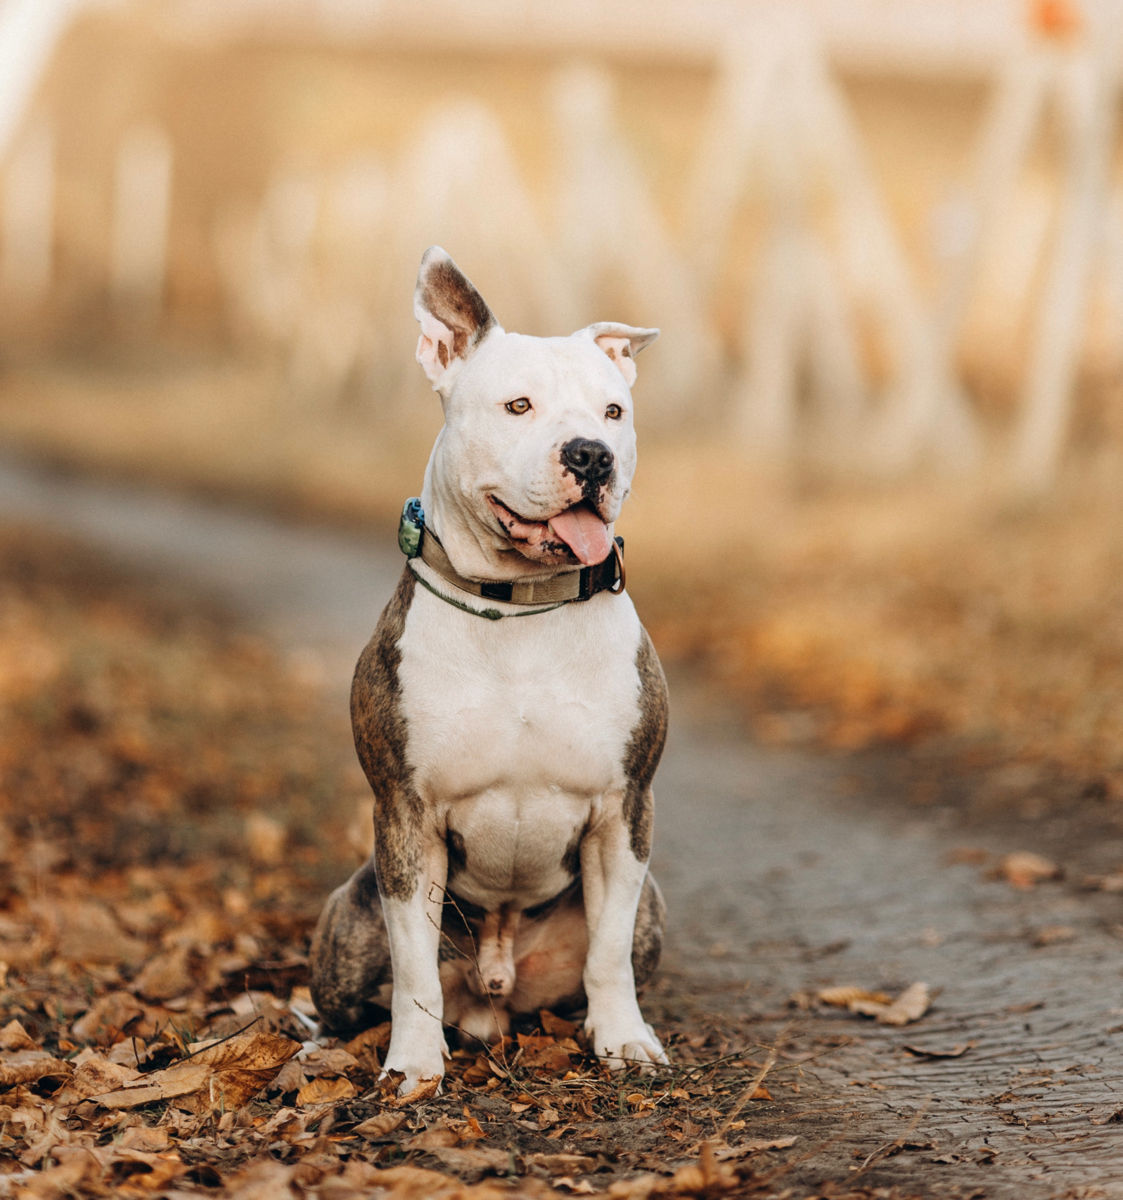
[14, 1037]
[957, 1051]
[27, 1066]
[909, 1006]
[847, 995]
[223, 1075]
[1024, 869]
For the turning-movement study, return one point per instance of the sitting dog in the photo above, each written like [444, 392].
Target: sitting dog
[509, 711]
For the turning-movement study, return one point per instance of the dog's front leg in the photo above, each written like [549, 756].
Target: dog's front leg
[613, 878]
[413, 928]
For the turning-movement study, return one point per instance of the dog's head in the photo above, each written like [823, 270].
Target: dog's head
[538, 449]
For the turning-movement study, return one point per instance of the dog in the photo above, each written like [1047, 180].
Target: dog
[509, 712]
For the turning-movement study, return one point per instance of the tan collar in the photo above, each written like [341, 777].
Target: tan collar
[417, 540]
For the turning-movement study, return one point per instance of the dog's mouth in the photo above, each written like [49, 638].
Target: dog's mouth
[576, 534]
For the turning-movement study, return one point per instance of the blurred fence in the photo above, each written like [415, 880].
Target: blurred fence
[798, 323]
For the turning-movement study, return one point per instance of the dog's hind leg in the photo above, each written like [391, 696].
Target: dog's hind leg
[350, 956]
[647, 941]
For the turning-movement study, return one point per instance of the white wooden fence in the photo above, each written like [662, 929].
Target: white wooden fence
[319, 266]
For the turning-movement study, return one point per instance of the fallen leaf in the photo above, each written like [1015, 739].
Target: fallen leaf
[848, 996]
[167, 975]
[146, 1138]
[66, 1179]
[1054, 935]
[547, 1053]
[435, 1137]
[108, 1018]
[639, 1103]
[290, 1078]
[426, 1089]
[328, 1061]
[326, 1091]
[380, 1125]
[1113, 884]
[158, 1170]
[957, 1051]
[556, 1026]
[370, 1040]
[909, 1006]
[577, 1187]
[418, 1183]
[753, 1146]
[14, 1037]
[27, 1066]
[472, 1158]
[171, 1084]
[552, 1164]
[94, 1075]
[220, 1075]
[88, 932]
[265, 839]
[1023, 869]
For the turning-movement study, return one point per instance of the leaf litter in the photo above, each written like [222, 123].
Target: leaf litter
[163, 855]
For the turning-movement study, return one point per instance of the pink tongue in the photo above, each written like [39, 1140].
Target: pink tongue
[583, 532]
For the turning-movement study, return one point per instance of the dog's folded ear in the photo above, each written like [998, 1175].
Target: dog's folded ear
[454, 317]
[621, 343]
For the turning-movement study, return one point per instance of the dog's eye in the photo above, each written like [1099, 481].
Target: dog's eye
[518, 407]
[614, 412]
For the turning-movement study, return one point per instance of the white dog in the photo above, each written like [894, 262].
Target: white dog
[509, 711]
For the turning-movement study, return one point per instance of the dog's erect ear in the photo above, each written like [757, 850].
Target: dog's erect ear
[621, 343]
[454, 317]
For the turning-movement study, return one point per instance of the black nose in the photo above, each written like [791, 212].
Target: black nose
[587, 459]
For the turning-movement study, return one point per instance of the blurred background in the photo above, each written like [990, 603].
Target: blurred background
[882, 431]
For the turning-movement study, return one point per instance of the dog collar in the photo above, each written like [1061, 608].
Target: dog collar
[417, 541]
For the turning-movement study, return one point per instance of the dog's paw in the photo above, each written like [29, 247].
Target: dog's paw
[421, 1073]
[418, 1082]
[412, 1087]
[634, 1046]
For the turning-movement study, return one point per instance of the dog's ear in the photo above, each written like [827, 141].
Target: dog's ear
[621, 343]
[454, 317]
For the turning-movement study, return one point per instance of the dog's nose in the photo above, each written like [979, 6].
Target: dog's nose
[588, 459]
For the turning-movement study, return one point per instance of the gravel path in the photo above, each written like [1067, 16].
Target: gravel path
[785, 873]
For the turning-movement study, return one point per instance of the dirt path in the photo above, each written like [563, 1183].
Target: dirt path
[786, 874]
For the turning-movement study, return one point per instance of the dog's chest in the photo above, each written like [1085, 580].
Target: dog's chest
[517, 733]
[541, 703]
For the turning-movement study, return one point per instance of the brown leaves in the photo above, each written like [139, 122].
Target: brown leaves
[1023, 869]
[217, 1077]
[28, 1066]
[153, 919]
[14, 1037]
[909, 1006]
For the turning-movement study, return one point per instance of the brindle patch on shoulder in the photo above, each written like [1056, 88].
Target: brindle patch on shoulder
[645, 747]
[379, 726]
